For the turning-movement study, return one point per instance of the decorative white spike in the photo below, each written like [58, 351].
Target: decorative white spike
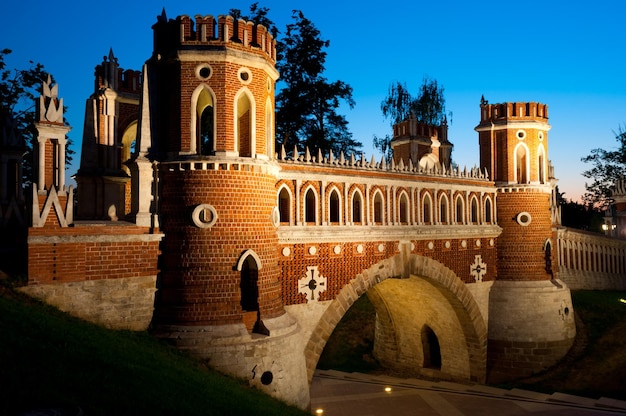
[296, 155]
[331, 157]
[352, 159]
[283, 153]
[383, 163]
[320, 157]
[401, 166]
[373, 162]
[411, 165]
[342, 159]
[393, 164]
[307, 154]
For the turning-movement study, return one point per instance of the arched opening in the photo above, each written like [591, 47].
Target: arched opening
[460, 208]
[404, 209]
[474, 210]
[249, 289]
[431, 349]
[310, 207]
[357, 207]
[378, 208]
[333, 207]
[427, 209]
[541, 162]
[245, 126]
[521, 162]
[205, 123]
[284, 205]
[488, 218]
[128, 145]
[443, 209]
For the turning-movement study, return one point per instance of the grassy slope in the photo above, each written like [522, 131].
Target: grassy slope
[50, 359]
[597, 367]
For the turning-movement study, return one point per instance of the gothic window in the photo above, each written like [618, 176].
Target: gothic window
[284, 205]
[310, 206]
[333, 203]
[427, 209]
[521, 164]
[404, 209]
[249, 285]
[128, 143]
[443, 209]
[488, 218]
[378, 208]
[204, 123]
[460, 208]
[474, 210]
[541, 161]
[357, 206]
[245, 126]
[431, 348]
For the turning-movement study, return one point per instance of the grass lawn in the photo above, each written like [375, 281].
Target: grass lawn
[48, 359]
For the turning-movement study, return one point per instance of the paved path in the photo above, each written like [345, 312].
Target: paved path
[352, 394]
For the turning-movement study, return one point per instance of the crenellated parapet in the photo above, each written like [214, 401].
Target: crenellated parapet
[512, 111]
[208, 31]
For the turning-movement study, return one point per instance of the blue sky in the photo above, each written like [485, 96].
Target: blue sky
[567, 54]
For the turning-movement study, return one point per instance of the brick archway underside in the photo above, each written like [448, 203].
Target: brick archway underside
[442, 279]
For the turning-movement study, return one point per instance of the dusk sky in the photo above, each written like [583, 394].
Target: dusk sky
[567, 54]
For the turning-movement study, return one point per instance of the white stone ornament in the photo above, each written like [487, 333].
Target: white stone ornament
[478, 269]
[312, 284]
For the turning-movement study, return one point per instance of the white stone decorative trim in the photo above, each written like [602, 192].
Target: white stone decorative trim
[478, 269]
[275, 217]
[312, 250]
[312, 284]
[286, 251]
[381, 248]
[199, 216]
[337, 249]
[524, 219]
[359, 248]
[199, 69]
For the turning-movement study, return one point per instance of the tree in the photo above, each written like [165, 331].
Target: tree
[19, 89]
[608, 167]
[306, 107]
[428, 107]
[258, 15]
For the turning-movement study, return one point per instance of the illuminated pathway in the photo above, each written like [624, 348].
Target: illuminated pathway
[335, 393]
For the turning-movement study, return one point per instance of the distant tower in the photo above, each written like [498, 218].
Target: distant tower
[207, 123]
[424, 145]
[530, 312]
[110, 131]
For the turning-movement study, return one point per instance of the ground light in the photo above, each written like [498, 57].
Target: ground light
[622, 300]
[388, 389]
[319, 411]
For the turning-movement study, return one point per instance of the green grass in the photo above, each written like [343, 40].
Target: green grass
[48, 359]
[595, 368]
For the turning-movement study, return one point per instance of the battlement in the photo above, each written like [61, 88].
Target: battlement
[412, 128]
[183, 31]
[514, 111]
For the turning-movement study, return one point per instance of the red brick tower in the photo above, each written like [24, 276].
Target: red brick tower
[513, 140]
[207, 120]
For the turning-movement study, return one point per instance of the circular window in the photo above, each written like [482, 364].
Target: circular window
[521, 134]
[203, 72]
[523, 219]
[245, 76]
[204, 216]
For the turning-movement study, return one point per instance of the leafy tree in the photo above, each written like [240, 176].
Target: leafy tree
[258, 15]
[608, 167]
[428, 107]
[19, 89]
[306, 107]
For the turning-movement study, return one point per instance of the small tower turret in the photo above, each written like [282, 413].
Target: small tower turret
[513, 141]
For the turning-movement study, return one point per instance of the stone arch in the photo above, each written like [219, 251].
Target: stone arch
[357, 207]
[334, 206]
[521, 162]
[378, 208]
[284, 200]
[128, 142]
[443, 208]
[442, 279]
[427, 209]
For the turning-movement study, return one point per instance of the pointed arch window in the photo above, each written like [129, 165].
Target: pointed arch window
[378, 208]
[427, 209]
[443, 209]
[310, 206]
[474, 210]
[357, 207]
[404, 209]
[460, 208]
[541, 162]
[333, 207]
[205, 123]
[488, 218]
[521, 164]
[245, 126]
[249, 285]
[284, 205]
